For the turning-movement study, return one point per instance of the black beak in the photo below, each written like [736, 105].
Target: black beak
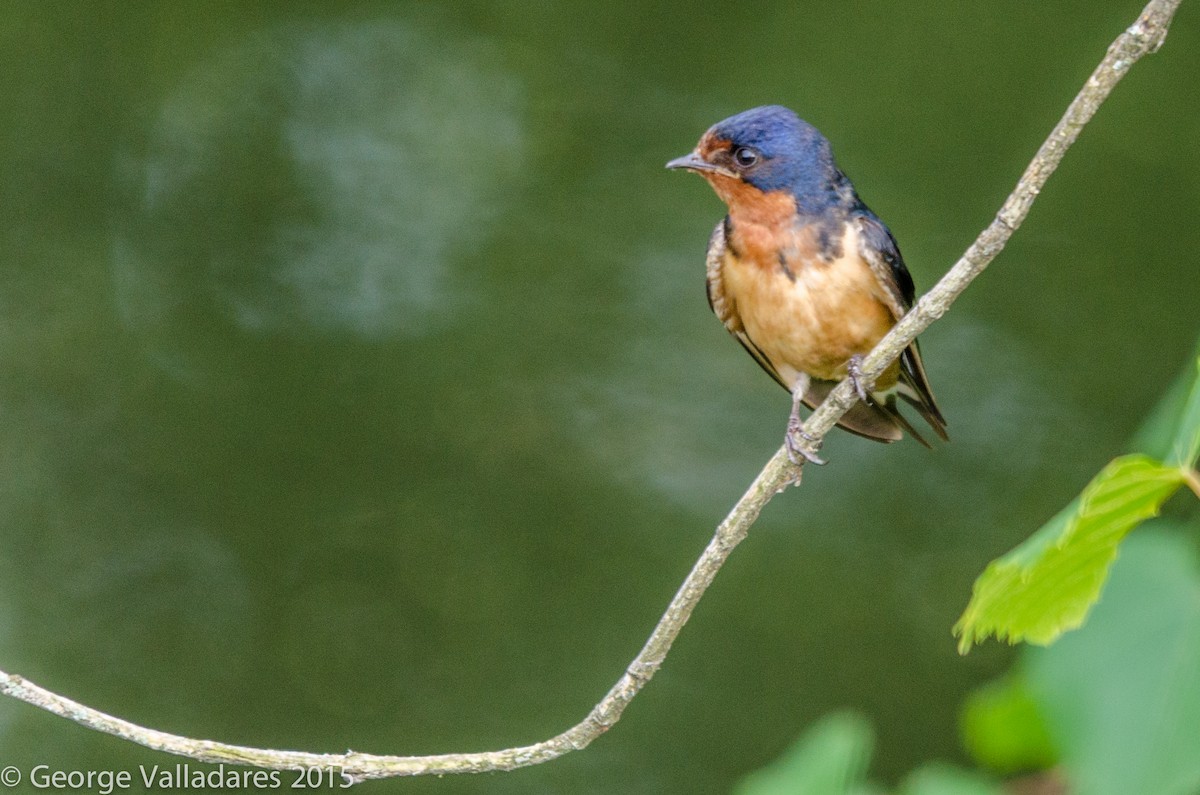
[693, 162]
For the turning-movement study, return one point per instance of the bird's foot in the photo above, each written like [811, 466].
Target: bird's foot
[800, 444]
[855, 374]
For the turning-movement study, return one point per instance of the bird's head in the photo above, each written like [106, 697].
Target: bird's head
[767, 150]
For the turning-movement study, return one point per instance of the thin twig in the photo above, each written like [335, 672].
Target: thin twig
[1144, 36]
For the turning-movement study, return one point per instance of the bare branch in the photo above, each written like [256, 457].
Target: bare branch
[1145, 36]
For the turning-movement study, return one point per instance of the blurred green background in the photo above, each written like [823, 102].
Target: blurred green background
[357, 386]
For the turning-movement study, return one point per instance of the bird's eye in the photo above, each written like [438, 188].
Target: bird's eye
[745, 157]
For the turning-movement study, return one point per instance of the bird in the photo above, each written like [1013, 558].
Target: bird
[805, 276]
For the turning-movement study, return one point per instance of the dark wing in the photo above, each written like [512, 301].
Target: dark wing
[879, 249]
[722, 303]
[877, 421]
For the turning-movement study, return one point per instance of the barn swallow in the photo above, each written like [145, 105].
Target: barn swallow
[804, 275]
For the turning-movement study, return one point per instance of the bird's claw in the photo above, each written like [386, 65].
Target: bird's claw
[801, 445]
[855, 374]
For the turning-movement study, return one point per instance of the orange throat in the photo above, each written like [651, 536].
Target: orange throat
[761, 221]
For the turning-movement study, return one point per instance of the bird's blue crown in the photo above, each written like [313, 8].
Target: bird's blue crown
[794, 156]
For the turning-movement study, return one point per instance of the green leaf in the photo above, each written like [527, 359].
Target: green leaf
[830, 758]
[1003, 728]
[1172, 432]
[1186, 448]
[937, 778]
[1047, 584]
[1121, 697]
